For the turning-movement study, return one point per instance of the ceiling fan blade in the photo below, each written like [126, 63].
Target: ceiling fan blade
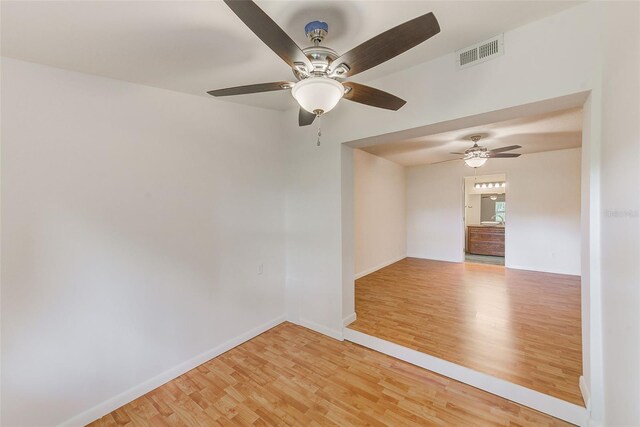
[372, 96]
[305, 118]
[503, 155]
[462, 154]
[260, 87]
[269, 32]
[445, 161]
[501, 149]
[387, 45]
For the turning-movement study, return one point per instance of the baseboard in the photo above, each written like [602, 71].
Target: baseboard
[533, 399]
[584, 389]
[378, 267]
[335, 334]
[125, 397]
[349, 319]
[457, 261]
[541, 270]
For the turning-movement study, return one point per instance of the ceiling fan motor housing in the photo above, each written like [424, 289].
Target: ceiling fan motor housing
[476, 150]
[320, 57]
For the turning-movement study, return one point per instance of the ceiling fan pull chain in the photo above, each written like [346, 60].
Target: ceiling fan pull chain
[319, 130]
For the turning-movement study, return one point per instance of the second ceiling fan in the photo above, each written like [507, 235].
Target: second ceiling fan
[320, 72]
[477, 155]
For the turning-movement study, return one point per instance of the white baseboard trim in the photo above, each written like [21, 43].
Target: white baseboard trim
[459, 260]
[349, 319]
[541, 270]
[133, 393]
[378, 267]
[584, 389]
[333, 333]
[533, 399]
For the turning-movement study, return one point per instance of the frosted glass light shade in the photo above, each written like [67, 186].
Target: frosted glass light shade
[475, 162]
[318, 94]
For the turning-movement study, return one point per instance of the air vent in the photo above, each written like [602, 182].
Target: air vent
[480, 52]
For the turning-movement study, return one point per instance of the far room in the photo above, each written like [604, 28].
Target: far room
[467, 249]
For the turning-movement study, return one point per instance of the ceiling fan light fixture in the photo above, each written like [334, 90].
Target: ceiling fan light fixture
[475, 162]
[318, 95]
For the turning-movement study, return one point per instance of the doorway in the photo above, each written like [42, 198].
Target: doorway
[485, 214]
[442, 191]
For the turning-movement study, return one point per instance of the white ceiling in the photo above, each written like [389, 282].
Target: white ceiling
[195, 46]
[547, 132]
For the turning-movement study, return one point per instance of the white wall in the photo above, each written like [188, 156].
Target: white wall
[473, 211]
[620, 231]
[543, 210]
[435, 197]
[134, 220]
[556, 56]
[379, 205]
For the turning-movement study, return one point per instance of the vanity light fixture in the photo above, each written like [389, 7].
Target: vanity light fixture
[479, 186]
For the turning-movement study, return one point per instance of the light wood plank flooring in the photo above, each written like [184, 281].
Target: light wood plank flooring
[293, 376]
[517, 325]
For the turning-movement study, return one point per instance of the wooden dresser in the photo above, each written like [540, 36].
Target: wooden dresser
[485, 240]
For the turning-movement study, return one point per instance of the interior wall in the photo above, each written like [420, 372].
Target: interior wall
[379, 207]
[348, 235]
[473, 211]
[314, 244]
[135, 221]
[542, 231]
[620, 232]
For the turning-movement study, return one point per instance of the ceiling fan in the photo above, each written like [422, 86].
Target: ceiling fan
[319, 71]
[477, 155]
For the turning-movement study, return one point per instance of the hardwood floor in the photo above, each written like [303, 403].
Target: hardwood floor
[517, 325]
[293, 376]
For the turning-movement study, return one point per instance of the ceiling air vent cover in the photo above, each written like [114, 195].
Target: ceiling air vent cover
[480, 52]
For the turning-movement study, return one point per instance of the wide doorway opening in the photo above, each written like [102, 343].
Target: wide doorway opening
[476, 272]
